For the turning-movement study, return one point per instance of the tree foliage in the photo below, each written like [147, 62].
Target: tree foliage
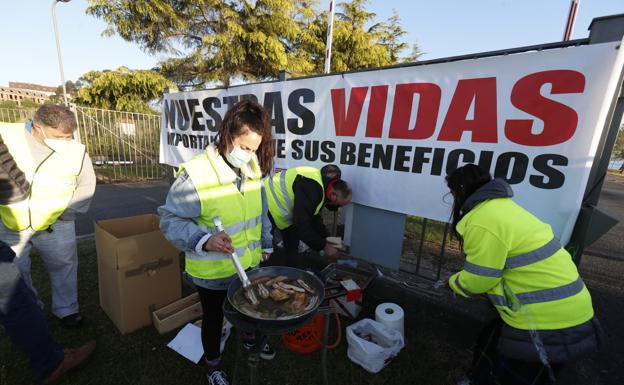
[71, 88]
[208, 41]
[122, 90]
[618, 149]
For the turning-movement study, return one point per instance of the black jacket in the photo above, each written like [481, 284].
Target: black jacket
[13, 184]
[308, 227]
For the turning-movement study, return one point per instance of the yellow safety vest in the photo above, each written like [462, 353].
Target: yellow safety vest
[53, 182]
[240, 213]
[281, 197]
[514, 258]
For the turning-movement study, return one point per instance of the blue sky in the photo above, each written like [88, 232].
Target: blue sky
[440, 27]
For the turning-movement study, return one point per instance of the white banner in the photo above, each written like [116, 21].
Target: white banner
[532, 118]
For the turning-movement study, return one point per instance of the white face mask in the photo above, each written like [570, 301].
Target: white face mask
[238, 157]
[57, 145]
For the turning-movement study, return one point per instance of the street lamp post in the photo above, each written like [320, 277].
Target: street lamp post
[58, 46]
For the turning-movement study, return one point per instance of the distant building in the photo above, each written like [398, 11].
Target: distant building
[17, 92]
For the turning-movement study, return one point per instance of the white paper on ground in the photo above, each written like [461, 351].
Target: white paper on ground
[188, 343]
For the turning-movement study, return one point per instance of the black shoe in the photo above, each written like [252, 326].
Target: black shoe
[267, 353]
[72, 321]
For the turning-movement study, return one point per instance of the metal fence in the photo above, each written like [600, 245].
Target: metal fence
[123, 146]
[15, 115]
[430, 249]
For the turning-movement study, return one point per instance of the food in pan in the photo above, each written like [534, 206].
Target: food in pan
[280, 298]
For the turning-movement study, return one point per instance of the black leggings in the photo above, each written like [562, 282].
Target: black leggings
[489, 367]
[212, 320]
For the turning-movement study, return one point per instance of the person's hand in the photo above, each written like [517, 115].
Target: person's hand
[330, 251]
[266, 256]
[219, 242]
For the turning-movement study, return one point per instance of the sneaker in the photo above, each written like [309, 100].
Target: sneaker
[217, 377]
[72, 321]
[267, 353]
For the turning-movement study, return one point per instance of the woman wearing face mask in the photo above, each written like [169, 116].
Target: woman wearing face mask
[223, 182]
[546, 313]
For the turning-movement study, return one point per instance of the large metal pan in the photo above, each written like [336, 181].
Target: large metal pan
[274, 271]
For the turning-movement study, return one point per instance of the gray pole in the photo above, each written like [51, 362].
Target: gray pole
[330, 33]
[58, 47]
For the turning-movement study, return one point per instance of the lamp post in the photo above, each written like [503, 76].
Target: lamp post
[330, 33]
[58, 46]
[567, 33]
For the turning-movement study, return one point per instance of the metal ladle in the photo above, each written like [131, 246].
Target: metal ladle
[249, 292]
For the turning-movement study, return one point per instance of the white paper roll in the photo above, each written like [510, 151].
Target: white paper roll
[391, 315]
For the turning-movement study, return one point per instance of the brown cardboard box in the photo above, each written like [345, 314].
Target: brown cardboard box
[177, 314]
[138, 270]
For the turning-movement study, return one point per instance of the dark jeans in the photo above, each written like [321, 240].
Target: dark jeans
[491, 368]
[212, 320]
[291, 247]
[23, 319]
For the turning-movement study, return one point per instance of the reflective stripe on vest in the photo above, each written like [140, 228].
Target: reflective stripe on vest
[540, 296]
[215, 256]
[517, 261]
[285, 211]
[482, 270]
[240, 226]
[281, 197]
[536, 255]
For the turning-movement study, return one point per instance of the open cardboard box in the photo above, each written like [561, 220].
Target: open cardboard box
[177, 313]
[138, 270]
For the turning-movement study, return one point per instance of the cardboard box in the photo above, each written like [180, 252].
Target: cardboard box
[138, 270]
[177, 313]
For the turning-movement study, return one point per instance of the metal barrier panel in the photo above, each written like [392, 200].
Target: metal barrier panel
[16, 115]
[123, 146]
[429, 247]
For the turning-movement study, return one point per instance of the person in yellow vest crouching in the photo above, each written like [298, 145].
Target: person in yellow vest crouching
[546, 313]
[224, 182]
[295, 198]
[62, 185]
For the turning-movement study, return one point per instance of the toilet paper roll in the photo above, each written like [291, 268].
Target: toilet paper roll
[391, 315]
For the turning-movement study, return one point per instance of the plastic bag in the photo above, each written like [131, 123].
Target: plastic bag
[373, 345]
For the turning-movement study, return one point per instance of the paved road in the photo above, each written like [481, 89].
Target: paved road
[122, 200]
[611, 201]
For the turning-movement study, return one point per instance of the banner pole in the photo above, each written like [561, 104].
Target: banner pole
[330, 33]
[567, 33]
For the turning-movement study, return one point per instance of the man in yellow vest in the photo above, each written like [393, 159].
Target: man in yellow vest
[20, 315]
[63, 183]
[295, 198]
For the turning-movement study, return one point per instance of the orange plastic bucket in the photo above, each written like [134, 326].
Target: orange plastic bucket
[306, 339]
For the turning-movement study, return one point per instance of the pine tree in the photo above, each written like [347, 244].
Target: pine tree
[122, 89]
[209, 42]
